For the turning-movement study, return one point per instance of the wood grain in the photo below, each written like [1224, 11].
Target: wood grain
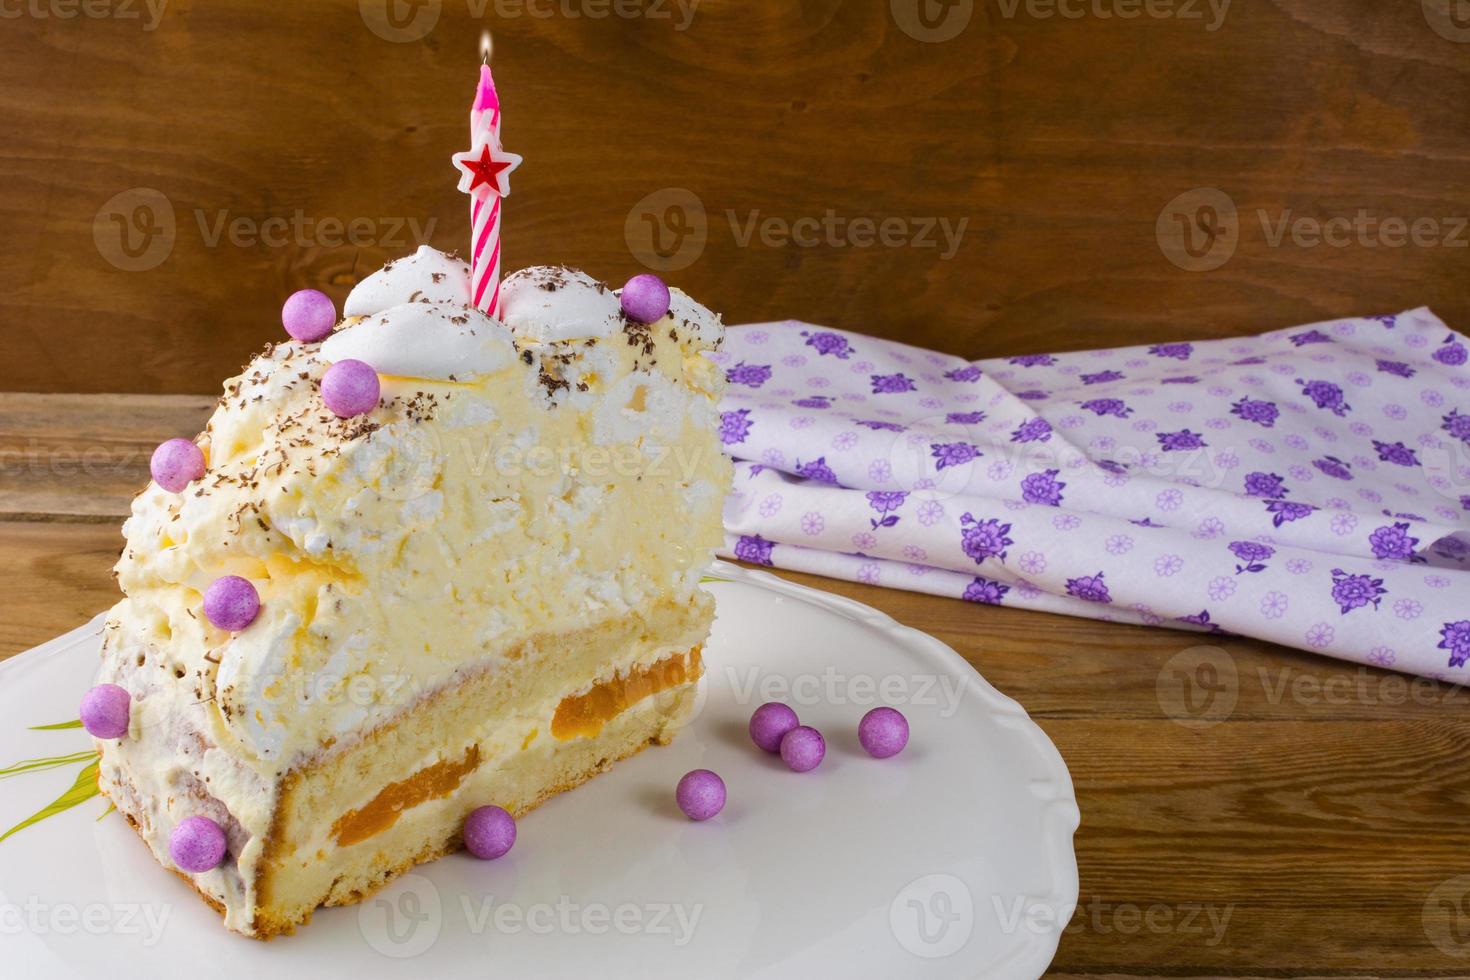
[1315, 829]
[1057, 140]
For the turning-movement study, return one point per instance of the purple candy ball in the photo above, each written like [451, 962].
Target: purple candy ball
[645, 298]
[700, 794]
[105, 711]
[176, 463]
[350, 387]
[197, 844]
[769, 722]
[308, 315]
[884, 732]
[231, 603]
[489, 833]
[803, 748]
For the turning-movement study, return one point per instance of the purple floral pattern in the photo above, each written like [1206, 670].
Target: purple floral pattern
[885, 502]
[1089, 588]
[1173, 442]
[827, 343]
[985, 591]
[1267, 485]
[982, 539]
[948, 454]
[892, 384]
[1455, 637]
[1310, 485]
[1043, 488]
[1108, 406]
[1326, 396]
[1260, 412]
[755, 549]
[749, 375]
[1252, 556]
[1393, 543]
[1032, 430]
[1356, 591]
[735, 426]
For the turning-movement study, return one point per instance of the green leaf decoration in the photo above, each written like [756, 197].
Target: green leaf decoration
[59, 726]
[40, 765]
[712, 578]
[81, 791]
[111, 808]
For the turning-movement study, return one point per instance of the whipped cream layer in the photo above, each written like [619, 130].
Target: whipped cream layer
[507, 485]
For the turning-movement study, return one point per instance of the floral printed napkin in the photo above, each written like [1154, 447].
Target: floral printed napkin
[1309, 486]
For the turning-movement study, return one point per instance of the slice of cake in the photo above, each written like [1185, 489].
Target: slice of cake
[482, 589]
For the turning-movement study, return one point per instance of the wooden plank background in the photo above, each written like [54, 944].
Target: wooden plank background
[158, 154]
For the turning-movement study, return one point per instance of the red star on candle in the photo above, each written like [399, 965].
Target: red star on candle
[487, 166]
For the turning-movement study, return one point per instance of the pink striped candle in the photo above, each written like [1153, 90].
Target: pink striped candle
[484, 175]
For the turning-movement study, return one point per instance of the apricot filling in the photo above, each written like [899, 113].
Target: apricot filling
[583, 715]
[430, 783]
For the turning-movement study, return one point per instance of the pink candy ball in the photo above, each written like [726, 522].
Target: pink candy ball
[106, 709]
[176, 463]
[769, 723]
[309, 315]
[645, 298]
[883, 732]
[489, 832]
[231, 603]
[803, 748]
[197, 844]
[700, 794]
[351, 387]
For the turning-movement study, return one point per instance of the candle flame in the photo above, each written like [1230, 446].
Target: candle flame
[486, 46]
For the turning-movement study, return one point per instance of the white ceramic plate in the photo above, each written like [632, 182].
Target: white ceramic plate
[953, 859]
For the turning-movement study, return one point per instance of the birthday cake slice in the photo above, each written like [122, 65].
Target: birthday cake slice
[419, 563]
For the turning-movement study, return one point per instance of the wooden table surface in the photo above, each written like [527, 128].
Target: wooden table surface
[1109, 172]
[1314, 827]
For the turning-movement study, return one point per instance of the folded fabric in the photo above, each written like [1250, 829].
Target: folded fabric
[1309, 486]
